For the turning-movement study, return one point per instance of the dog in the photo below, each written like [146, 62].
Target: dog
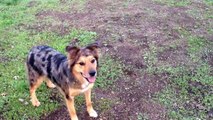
[72, 74]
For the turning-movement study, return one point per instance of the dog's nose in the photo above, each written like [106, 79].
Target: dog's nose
[92, 73]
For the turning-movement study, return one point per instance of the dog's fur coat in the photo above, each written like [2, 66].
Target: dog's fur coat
[72, 75]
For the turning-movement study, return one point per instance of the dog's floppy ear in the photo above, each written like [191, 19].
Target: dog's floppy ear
[72, 53]
[94, 48]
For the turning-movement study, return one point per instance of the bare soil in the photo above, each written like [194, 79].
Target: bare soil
[127, 30]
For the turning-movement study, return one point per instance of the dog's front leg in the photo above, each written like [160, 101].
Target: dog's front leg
[90, 110]
[71, 108]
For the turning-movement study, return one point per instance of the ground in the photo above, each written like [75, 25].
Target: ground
[156, 57]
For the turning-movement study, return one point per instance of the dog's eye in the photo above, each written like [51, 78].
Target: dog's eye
[93, 60]
[81, 63]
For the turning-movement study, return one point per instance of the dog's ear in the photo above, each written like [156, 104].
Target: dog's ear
[93, 46]
[72, 50]
[94, 49]
[72, 53]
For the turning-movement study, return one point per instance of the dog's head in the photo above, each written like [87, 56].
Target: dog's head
[83, 62]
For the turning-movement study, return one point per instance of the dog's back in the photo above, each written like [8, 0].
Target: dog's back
[45, 61]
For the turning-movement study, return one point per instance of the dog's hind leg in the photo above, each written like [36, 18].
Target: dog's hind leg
[35, 81]
[33, 86]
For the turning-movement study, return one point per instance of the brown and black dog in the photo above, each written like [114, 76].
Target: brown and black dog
[72, 75]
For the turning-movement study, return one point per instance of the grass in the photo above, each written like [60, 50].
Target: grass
[15, 42]
[174, 3]
[208, 2]
[110, 70]
[141, 116]
[189, 94]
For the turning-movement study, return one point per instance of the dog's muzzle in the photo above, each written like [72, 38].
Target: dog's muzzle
[91, 78]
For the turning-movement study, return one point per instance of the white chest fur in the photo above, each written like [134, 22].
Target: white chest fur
[86, 86]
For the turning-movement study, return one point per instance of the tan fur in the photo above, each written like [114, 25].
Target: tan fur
[33, 88]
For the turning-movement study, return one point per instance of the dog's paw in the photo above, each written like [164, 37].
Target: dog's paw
[74, 118]
[35, 103]
[93, 113]
[51, 86]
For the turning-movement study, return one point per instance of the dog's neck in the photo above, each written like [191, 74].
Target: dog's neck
[79, 80]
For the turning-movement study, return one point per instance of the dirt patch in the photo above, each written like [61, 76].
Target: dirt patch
[174, 56]
[134, 93]
[128, 53]
[59, 114]
[4, 59]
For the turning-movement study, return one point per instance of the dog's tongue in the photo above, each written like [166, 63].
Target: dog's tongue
[91, 79]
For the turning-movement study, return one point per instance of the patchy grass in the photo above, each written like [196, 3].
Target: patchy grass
[208, 2]
[105, 104]
[174, 3]
[189, 94]
[15, 44]
[110, 70]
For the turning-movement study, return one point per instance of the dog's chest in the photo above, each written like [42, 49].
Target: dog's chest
[85, 87]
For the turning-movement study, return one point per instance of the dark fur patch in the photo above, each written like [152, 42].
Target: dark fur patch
[49, 74]
[67, 97]
[58, 60]
[47, 51]
[43, 59]
[38, 55]
[31, 62]
[65, 72]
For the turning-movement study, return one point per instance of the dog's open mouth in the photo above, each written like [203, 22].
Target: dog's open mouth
[89, 79]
